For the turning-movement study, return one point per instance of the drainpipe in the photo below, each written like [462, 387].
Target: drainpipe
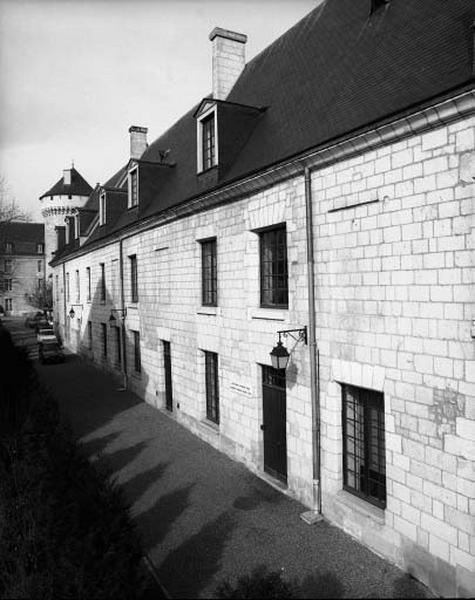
[122, 306]
[314, 515]
[64, 300]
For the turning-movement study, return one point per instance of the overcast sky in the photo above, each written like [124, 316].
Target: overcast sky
[75, 74]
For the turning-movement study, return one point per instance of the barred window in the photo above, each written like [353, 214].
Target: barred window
[209, 283]
[103, 282]
[273, 264]
[137, 358]
[208, 142]
[134, 288]
[364, 467]
[212, 387]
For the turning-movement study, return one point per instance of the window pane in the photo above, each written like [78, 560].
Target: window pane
[273, 264]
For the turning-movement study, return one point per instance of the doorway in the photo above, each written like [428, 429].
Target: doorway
[274, 424]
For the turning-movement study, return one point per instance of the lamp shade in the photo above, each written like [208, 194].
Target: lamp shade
[279, 356]
[72, 314]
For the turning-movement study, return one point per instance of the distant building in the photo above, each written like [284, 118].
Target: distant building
[327, 184]
[22, 265]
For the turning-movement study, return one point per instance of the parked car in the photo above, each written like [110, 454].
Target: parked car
[33, 318]
[42, 324]
[46, 334]
[50, 351]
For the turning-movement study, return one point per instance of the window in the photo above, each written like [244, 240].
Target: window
[8, 264]
[273, 262]
[104, 340]
[364, 468]
[8, 248]
[89, 335]
[103, 282]
[134, 290]
[8, 285]
[88, 279]
[137, 359]
[209, 292]
[67, 287]
[102, 209]
[40, 248]
[8, 304]
[212, 388]
[39, 266]
[56, 288]
[78, 288]
[208, 142]
[133, 188]
[118, 355]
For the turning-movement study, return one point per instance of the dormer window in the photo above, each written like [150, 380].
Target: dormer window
[40, 248]
[133, 188]
[207, 142]
[8, 248]
[102, 209]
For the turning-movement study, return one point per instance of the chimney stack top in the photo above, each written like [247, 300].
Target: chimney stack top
[229, 35]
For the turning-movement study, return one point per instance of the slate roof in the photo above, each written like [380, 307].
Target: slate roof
[78, 187]
[23, 236]
[338, 71]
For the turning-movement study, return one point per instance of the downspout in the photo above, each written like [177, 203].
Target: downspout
[122, 311]
[314, 515]
[64, 299]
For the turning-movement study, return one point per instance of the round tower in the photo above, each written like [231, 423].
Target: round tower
[62, 200]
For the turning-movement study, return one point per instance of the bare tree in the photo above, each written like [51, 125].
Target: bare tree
[41, 296]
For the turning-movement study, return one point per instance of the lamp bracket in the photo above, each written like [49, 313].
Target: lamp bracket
[301, 334]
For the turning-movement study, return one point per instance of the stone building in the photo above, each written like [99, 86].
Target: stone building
[22, 265]
[326, 188]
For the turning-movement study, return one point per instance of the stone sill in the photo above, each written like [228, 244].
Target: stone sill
[359, 505]
[210, 311]
[269, 314]
[210, 425]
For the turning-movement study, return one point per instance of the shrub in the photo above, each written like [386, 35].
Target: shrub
[64, 528]
[261, 583]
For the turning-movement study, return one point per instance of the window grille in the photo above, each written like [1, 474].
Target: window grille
[212, 386]
[209, 281]
[364, 467]
[273, 265]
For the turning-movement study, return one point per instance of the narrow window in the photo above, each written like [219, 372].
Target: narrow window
[212, 388]
[39, 266]
[56, 288]
[78, 288]
[89, 335]
[209, 283]
[67, 287]
[137, 359]
[273, 265]
[102, 209]
[364, 467]
[104, 340]
[103, 282]
[134, 289]
[8, 285]
[208, 142]
[8, 304]
[88, 279]
[134, 192]
[118, 349]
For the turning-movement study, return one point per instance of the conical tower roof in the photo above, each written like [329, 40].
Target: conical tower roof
[78, 186]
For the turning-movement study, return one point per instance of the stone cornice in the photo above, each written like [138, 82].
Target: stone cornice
[436, 115]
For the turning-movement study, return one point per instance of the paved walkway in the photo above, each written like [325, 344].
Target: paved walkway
[202, 516]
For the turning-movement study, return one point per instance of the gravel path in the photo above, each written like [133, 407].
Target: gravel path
[202, 516]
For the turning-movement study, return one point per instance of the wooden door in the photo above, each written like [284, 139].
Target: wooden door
[274, 422]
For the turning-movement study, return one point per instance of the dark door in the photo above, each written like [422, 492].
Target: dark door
[274, 422]
[168, 376]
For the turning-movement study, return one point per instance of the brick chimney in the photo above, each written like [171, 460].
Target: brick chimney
[229, 59]
[138, 141]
